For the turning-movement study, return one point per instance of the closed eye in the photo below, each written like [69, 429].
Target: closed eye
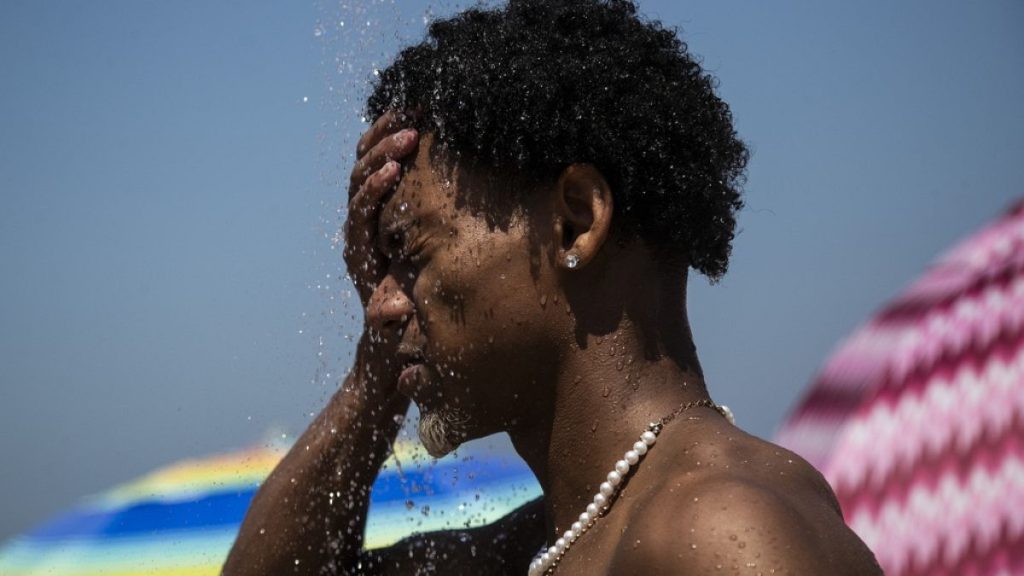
[401, 247]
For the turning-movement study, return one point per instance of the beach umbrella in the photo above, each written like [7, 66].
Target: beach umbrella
[181, 520]
[917, 420]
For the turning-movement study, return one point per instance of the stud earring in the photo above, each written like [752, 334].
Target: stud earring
[572, 260]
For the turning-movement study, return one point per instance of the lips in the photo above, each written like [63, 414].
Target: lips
[411, 378]
[413, 369]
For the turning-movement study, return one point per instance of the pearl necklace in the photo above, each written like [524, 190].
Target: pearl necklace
[547, 559]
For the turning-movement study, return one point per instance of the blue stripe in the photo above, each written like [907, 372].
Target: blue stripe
[213, 510]
[222, 509]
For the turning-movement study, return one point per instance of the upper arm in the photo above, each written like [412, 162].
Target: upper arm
[506, 546]
[742, 527]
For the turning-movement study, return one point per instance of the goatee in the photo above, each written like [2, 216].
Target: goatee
[442, 430]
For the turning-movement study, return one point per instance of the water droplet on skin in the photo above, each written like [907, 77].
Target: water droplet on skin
[544, 301]
[606, 391]
[593, 427]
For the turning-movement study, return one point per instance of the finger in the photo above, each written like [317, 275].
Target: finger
[363, 257]
[388, 123]
[366, 204]
[391, 148]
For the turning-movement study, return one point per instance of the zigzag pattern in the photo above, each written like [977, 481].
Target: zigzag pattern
[949, 413]
[942, 525]
[917, 420]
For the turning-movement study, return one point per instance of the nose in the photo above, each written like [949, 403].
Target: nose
[389, 307]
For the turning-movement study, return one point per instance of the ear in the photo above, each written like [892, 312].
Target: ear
[583, 214]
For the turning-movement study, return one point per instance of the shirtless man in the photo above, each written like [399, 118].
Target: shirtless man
[521, 244]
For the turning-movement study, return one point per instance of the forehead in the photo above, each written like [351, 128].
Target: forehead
[421, 194]
[434, 190]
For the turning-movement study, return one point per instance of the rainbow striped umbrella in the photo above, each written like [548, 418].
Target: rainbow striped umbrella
[917, 420]
[181, 520]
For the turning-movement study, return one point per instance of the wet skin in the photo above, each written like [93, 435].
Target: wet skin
[473, 312]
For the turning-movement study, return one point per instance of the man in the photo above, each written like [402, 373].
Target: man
[520, 237]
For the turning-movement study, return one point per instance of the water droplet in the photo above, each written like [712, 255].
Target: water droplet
[544, 301]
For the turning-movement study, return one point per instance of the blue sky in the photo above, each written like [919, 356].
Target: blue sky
[170, 176]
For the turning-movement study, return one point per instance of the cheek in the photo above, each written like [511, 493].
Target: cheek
[489, 299]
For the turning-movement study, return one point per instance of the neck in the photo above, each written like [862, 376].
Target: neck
[608, 389]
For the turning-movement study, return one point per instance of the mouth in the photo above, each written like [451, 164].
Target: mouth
[412, 374]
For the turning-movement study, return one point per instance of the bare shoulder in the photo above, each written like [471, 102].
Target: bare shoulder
[770, 512]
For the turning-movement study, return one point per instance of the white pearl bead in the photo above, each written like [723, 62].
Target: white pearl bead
[569, 536]
[534, 566]
[728, 414]
[585, 517]
[640, 448]
[614, 478]
[560, 544]
[552, 552]
[600, 500]
[577, 527]
[622, 467]
[545, 558]
[606, 488]
[632, 457]
[648, 438]
[592, 510]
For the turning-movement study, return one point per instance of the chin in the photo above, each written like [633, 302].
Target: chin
[442, 429]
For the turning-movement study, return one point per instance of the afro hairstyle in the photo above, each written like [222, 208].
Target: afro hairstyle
[536, 85]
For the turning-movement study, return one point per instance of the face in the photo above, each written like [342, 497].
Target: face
[472, 292]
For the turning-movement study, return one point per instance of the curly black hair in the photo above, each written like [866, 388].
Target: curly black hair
[537, 85]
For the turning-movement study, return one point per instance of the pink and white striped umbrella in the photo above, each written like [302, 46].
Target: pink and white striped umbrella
[917, 420]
